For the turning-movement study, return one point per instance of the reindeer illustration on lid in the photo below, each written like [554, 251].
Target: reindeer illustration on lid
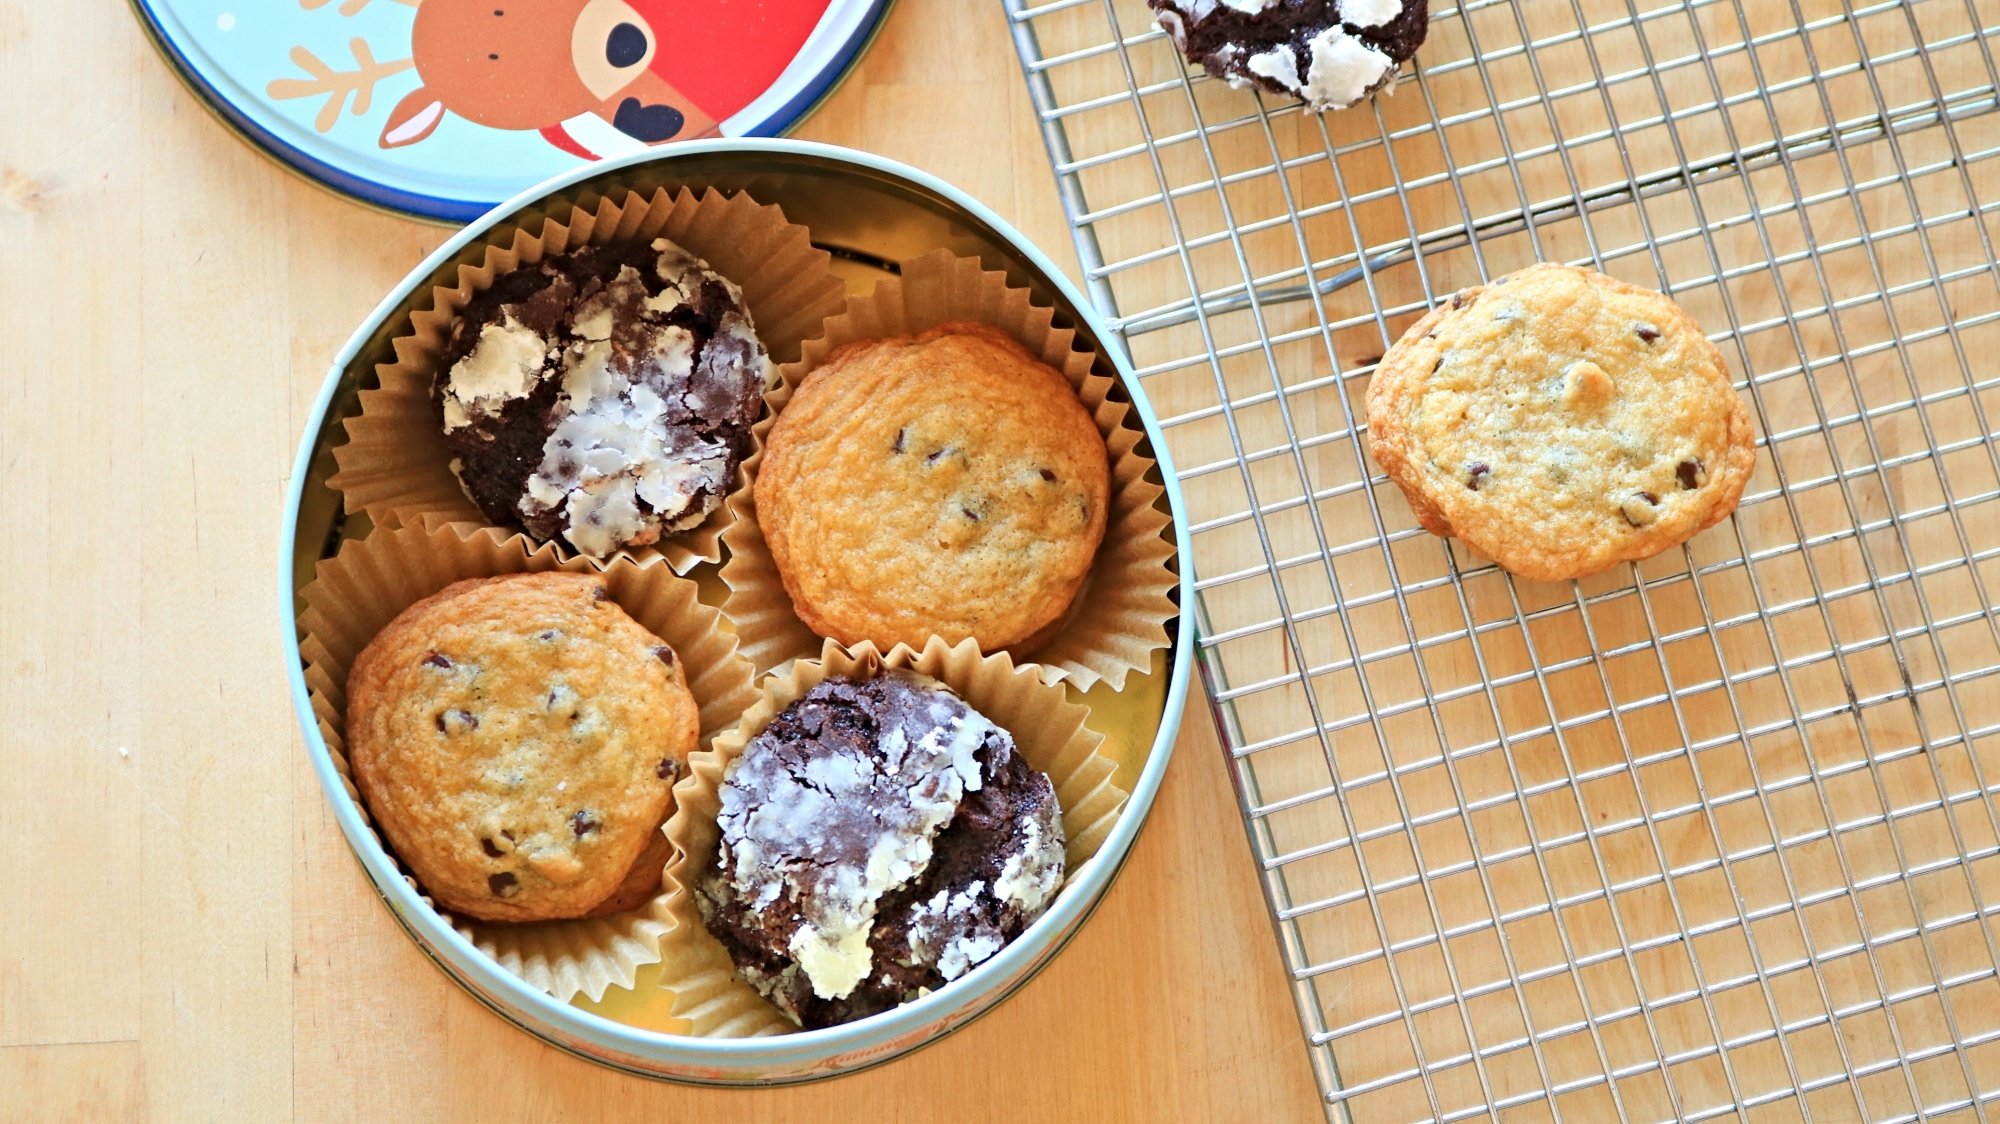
[535, 64]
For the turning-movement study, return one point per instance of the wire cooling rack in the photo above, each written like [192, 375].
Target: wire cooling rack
[1710, 835]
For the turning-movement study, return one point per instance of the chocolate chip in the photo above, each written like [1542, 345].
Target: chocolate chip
[1458, 300]
[491, 849]
[1474, 472]
[1437, 366]
[665, 655]
[1047, 475]
[582, 824]
[939, 455]
[503, 885]
[970, 514]
[437, 659]
[547, 635]
[666, 769]
[456, 721]
[900, 435]
[1692, 473]
[1639, 508]
[507, 833]
[1647, 332]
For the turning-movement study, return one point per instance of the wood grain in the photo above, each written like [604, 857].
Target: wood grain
[190, 913]
[72, 1083]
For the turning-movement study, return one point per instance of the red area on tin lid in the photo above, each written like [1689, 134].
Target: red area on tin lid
[723, 54]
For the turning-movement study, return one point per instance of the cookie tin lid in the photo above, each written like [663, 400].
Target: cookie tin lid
[443, 108]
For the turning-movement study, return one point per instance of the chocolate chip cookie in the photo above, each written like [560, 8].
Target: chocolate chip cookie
[948, 484]
[516, 740]
[603, 397]
[1560, 422]
[880, 838]
[1327, 53]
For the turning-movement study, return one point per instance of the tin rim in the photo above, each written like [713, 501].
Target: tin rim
[740, 1060]
[988, 1004]
[447, 210]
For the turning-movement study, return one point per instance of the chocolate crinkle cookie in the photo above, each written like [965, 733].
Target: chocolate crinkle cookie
[879, 839]
[1327, 53]
[603, 397]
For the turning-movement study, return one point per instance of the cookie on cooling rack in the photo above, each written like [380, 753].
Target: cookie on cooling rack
[1327, 53]
[517, 740]
[1561, 422]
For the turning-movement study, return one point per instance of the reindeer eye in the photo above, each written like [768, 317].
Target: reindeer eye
[610, 45]
[625, 46]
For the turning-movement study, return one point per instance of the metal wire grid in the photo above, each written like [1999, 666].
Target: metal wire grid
[1711, 835]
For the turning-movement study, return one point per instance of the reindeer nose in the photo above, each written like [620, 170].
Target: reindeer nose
[625, 46]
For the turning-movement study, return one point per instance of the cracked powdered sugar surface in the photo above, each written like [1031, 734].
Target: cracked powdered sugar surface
[834, 832]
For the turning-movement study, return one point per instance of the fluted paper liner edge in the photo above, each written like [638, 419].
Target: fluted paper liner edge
[394, 465]
[1119, 617]
[375, 578]
[708, 998]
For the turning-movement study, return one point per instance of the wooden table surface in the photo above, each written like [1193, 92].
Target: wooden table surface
[195, 940]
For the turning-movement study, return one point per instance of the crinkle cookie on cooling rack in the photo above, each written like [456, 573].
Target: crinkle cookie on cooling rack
[1327, 53]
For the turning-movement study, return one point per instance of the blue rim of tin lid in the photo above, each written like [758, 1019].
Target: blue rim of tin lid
[735, 1061]
[843, 35]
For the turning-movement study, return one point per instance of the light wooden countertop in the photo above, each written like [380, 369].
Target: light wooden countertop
[189, 937]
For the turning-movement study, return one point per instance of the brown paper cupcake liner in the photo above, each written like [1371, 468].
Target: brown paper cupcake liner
[1120, 616]
[373, 579]
[394, 466]
[697, 980]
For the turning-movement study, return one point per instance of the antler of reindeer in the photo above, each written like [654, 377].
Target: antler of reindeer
[349, 7]
[337, 85]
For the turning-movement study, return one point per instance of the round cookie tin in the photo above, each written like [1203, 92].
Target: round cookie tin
[442, 109]
[870, 213]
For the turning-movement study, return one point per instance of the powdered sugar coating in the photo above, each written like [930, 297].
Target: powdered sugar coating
[1328, 53]
[949, 930]
[606, 398]
[836, 831]
[1370, 13]
[503, 366]
[1343, 69]
[879, 838]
